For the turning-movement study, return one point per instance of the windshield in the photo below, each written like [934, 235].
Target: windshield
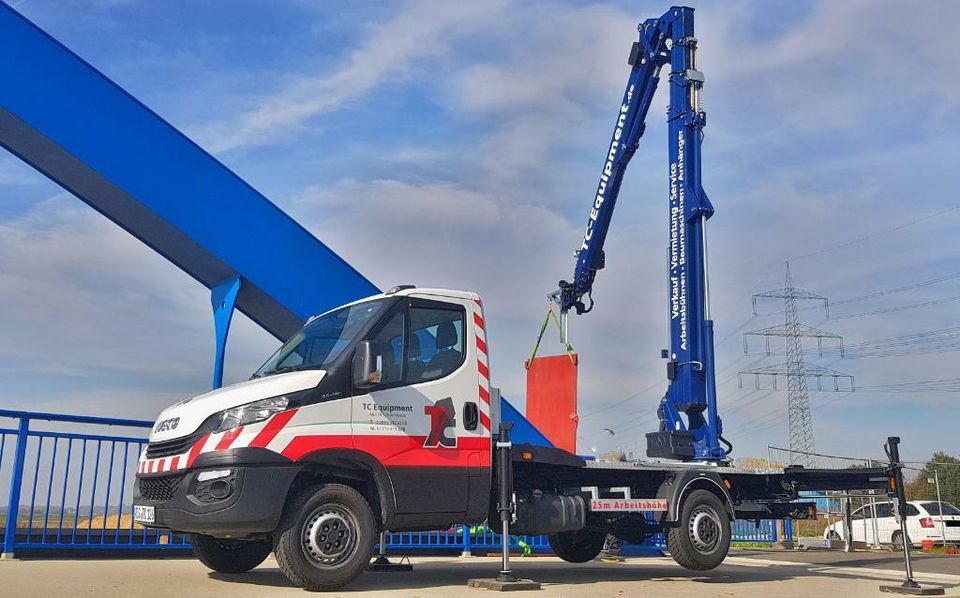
[934, 508]
[322, 340]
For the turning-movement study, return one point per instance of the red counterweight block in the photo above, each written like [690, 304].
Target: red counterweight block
[552, 398]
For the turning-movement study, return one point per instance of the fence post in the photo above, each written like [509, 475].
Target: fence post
[466, 541]
[13, 505]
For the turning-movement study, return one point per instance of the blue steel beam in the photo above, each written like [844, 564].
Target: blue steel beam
[69, 121]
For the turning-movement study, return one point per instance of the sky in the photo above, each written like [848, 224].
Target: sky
[458, 144]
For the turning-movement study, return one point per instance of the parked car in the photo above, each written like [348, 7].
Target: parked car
[923, 523]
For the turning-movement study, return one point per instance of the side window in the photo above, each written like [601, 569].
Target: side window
[436, 343]
[911, 510]
[388, 348]
[859, 514]
[884, 510]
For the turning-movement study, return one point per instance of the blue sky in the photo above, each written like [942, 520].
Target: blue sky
[458, 144]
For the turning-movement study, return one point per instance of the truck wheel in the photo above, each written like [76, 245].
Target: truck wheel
[226, 555]
[577, 547]
[326, 537]
[701, 539]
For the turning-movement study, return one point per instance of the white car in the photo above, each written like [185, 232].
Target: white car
[876, 523]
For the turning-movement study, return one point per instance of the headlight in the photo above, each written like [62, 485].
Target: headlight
[250, 413]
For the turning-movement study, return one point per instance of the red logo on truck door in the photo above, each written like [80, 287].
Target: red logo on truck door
[441, 420]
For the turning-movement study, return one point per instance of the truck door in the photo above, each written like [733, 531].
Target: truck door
[422, 421]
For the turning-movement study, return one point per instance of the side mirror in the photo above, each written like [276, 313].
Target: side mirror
[367, 367]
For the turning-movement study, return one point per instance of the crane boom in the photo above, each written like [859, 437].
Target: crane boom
[689, 425]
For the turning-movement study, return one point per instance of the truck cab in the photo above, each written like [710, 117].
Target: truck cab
[375, 415]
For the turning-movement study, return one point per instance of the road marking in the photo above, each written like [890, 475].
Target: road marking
[820, 567]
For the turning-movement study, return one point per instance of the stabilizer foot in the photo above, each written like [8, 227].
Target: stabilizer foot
[383, 564]
[912, 590]
[514, 584]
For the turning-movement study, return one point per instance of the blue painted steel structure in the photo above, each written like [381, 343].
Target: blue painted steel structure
[690, 404]
[80, 488]
[69, 121]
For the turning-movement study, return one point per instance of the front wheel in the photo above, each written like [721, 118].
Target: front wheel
[701, 539]
[326, 537]
[577, 547]
[225, 555]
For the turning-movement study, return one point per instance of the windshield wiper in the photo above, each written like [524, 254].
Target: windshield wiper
[280, 370]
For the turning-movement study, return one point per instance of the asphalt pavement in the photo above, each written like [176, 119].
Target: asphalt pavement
[745, 573]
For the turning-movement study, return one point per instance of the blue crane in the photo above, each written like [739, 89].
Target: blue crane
[690, 428]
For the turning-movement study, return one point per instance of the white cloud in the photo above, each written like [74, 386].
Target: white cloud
[385, 56]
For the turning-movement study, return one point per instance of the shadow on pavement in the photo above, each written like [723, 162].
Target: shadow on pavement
[437, 574]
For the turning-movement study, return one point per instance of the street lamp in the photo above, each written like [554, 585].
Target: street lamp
[936, 480]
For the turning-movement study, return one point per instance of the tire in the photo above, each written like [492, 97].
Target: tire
[577, 547]
[326, 537]
[897, 540]
[225, 555]
[701, 539]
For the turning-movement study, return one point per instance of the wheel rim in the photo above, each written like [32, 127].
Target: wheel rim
[705, 529]
[329, 535]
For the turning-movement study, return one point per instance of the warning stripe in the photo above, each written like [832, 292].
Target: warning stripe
[195, 450]
[484, 394]
[483, 370]
[227, 439]
[273, 427]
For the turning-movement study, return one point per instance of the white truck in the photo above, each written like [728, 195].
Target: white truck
[380, 415]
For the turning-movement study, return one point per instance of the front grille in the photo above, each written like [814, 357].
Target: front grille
[160, 488]
[168, 448]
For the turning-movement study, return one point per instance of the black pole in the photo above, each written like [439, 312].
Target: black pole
[505, 502]
[893, 452]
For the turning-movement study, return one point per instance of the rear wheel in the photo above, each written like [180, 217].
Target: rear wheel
[326, 537]
[701, 539]
[577, 547]
[897, 539]
[226, 555]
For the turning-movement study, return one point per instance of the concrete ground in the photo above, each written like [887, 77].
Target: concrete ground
[760, 574]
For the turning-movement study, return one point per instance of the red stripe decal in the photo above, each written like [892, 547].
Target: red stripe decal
[481, 345]
[485, 395]
[483, 369]
[175, 463]
[478, 302]
[228, 437]
[478, 320]
[485, 420]
[195, 449]
[393, 451]
[151, 467]
[273, 427]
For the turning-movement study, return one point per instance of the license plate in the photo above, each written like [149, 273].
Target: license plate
[143, 514]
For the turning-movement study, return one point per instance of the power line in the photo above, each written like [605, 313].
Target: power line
[888, 310]
[876, 234]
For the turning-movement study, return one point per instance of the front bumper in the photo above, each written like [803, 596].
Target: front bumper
[247, 501]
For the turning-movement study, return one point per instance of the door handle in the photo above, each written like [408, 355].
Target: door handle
[471, 416]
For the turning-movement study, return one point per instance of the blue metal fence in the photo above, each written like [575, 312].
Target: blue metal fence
[69, 483]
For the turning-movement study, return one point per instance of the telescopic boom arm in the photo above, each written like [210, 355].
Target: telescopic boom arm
[689, 425]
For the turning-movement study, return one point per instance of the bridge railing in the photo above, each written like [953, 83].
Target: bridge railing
[69, 481]
[69, 484]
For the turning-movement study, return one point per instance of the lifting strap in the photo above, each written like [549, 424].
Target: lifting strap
[550, 314]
